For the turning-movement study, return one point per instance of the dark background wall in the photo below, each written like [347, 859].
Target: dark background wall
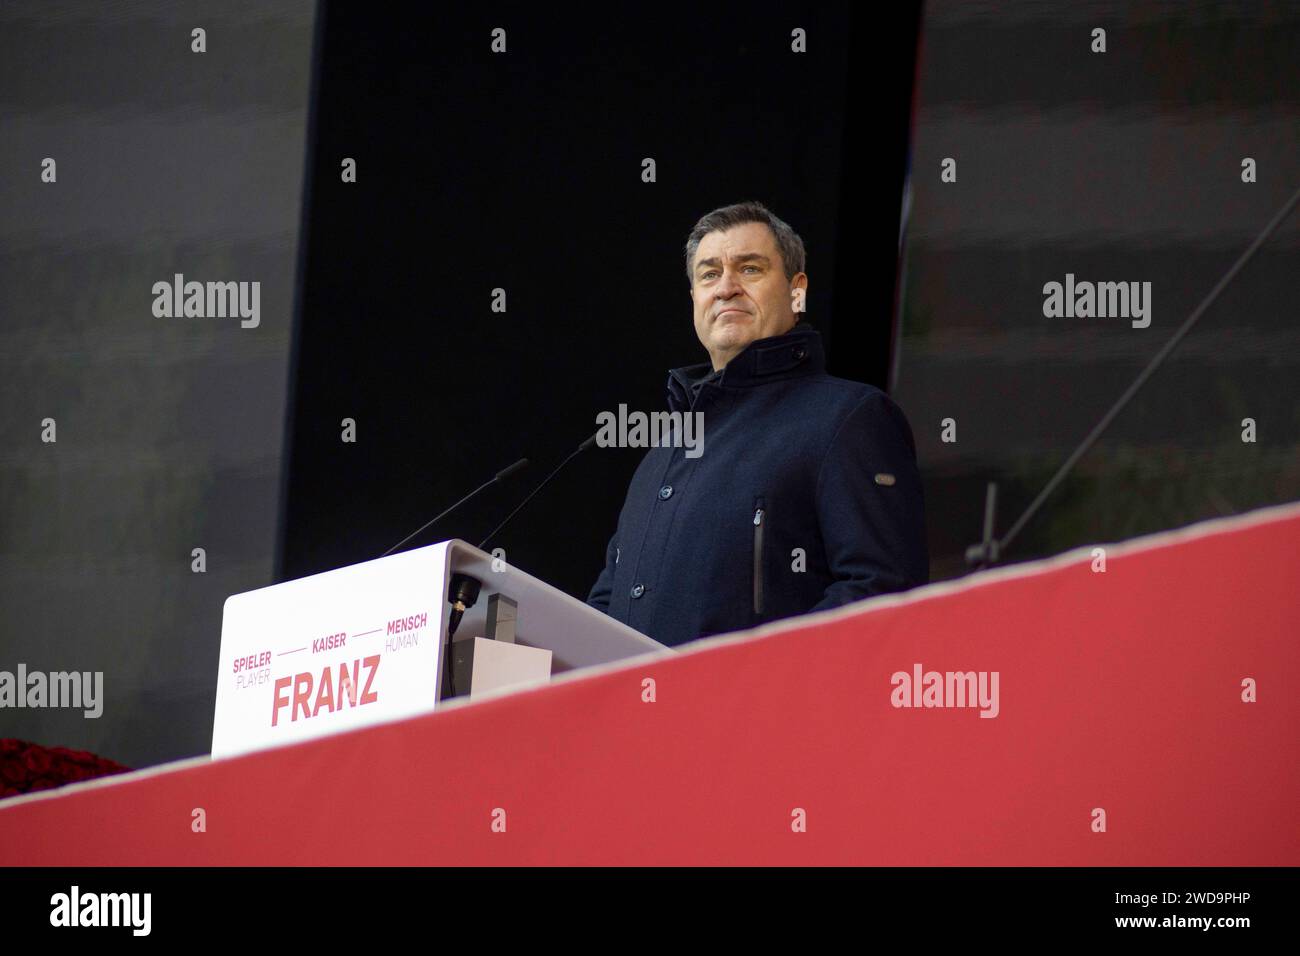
[1115, 166]
[169, 430]
[522, 171]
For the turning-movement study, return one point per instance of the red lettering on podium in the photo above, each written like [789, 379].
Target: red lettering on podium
[305, 682]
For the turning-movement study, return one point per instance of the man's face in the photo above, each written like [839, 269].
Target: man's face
[740, 291]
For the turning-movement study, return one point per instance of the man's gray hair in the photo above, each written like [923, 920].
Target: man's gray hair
[726, 217]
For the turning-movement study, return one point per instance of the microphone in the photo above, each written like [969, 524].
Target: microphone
[572, 455]
[503, 473]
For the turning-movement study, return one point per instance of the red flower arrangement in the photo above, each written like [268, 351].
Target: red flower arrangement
[26, 767]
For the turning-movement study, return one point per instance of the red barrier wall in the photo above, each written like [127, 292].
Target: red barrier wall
[1119, 690]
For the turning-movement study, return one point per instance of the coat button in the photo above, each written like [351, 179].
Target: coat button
[800, 353]
[638, 590]
[665, 492]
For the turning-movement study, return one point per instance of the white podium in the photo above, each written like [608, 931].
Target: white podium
[363, 644]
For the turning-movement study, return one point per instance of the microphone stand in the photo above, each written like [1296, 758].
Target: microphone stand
[574, 454]
[503, 473]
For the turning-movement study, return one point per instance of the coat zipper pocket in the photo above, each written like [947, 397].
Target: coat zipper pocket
[759, 515]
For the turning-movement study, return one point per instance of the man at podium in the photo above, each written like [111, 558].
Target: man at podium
[804, 493]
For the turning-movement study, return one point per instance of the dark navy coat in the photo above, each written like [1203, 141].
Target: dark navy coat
[806, 497]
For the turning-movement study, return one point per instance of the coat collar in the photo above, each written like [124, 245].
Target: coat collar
[793, 355]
